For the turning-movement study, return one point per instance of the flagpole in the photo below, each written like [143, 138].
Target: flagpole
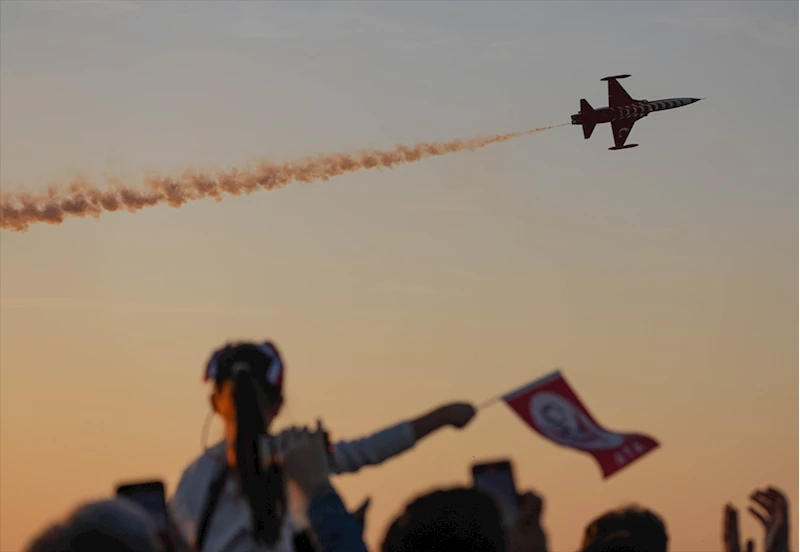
[490, 402]
[502, 396]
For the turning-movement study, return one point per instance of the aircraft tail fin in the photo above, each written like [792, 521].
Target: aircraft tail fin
[588, 125]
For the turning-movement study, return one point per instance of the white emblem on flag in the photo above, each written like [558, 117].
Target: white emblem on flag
[560, 421]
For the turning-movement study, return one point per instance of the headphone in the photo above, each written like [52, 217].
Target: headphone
[274, 373]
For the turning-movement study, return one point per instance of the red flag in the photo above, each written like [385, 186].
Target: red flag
[551, 407]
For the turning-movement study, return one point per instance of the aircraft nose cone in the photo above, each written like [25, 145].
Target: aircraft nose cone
[696, 99]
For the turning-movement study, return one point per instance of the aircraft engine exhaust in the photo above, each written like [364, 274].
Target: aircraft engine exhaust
[81, 198]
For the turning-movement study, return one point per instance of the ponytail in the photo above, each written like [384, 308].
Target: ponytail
[263, 488]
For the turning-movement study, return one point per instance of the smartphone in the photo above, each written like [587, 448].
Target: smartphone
[497, 479]
[151, 496]
[268, 447]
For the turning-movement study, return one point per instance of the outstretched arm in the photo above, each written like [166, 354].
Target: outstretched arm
[306, 462]
[351, 456]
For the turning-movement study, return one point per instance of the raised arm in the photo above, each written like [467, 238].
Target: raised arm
[351, 456]
[307, 463]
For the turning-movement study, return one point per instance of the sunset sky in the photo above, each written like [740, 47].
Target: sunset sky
[662, 280]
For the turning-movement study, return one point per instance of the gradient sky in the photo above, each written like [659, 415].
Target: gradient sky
[662, 280]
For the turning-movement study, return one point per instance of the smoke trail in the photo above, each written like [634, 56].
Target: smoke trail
[83, 198]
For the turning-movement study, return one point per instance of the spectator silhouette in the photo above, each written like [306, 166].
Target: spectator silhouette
[228, 499]
[115, 525]
[456, 519]
[630, 529]
[465, 520]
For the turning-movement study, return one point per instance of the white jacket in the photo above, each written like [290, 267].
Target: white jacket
[230, 526]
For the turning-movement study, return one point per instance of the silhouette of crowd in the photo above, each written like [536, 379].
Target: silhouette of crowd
[259, 491]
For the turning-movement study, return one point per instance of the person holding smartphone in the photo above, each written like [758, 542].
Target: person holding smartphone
[306, 461]
[233, 498]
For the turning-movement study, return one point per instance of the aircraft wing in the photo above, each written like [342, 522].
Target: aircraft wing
[621, 128]
[617, 95]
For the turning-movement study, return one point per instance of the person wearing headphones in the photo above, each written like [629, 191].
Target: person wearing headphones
[233, 498]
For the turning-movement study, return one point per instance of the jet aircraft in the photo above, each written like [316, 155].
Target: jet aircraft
[622, 112]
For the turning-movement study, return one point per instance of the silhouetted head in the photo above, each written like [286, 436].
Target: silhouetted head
[246, 376]
[630, 529]
[116, 525]
[248, 394]
[457, 520]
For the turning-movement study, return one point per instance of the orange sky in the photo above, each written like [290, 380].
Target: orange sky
[662, 280]
[92, 396]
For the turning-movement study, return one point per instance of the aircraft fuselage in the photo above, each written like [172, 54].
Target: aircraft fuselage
[635, 110]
